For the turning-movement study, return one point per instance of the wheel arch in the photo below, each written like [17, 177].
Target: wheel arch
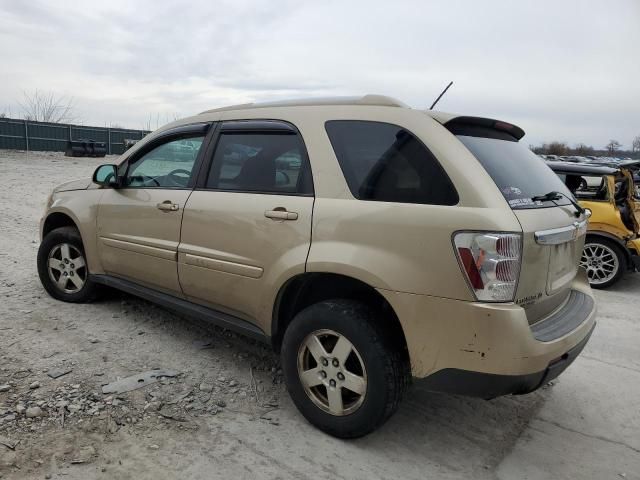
[608, 236]
[56, 220]
[308, 288]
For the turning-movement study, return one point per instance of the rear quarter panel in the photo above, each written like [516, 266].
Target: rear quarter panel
[605, 217]
[399, 247]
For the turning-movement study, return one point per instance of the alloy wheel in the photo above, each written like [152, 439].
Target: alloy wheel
[332, 372]
[67, 268]
[600, 261]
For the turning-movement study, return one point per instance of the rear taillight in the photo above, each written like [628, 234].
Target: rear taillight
[491, 263]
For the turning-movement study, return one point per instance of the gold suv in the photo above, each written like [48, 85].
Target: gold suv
[368, 242]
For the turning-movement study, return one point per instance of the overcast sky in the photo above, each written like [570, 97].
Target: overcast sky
[566, 70]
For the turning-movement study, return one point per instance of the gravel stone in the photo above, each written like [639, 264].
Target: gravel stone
[34, 412]
[206, 387]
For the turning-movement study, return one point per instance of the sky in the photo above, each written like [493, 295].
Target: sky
[562, 70]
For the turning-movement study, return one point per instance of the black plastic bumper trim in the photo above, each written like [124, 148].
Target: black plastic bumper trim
[489, 385]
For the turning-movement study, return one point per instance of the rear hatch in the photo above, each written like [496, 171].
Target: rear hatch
[553, 232]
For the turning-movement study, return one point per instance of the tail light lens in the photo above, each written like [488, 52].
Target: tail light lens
[491, 263]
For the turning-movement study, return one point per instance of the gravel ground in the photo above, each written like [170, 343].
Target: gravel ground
[226, 414]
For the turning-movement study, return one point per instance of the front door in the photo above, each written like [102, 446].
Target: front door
[248, 227]
[139, 223]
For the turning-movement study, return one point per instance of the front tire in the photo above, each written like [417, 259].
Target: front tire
[62, 266]
[345, 375]
[604, 260]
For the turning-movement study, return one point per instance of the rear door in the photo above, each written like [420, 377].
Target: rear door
[247, 226]
[139, 224]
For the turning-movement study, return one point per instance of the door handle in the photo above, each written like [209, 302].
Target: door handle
[168, 206]
[281, 214]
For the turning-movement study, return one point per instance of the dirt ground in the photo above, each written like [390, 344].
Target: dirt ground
[226, 414]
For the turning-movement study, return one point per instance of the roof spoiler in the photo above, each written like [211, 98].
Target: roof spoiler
[462, 125]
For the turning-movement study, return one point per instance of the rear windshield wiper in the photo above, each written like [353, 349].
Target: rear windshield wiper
[551, 196]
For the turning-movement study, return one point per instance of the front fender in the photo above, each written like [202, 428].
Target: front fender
[81, 206]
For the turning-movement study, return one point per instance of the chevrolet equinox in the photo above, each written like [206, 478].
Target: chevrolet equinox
[368, 242]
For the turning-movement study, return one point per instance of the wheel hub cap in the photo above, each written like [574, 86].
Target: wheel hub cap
[67, 268]
[332, 372]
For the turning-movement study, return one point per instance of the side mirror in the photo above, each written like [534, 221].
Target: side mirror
[106, 175]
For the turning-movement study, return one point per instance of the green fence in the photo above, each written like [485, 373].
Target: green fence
[18, 134]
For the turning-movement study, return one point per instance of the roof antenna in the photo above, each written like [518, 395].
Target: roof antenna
[440, 96]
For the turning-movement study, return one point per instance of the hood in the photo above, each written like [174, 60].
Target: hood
[78, 184]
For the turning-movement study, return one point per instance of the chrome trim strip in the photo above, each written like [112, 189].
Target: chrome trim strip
[556, 236]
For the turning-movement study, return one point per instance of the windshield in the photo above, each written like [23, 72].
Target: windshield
[517, 171]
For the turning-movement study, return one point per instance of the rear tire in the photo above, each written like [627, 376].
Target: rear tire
[62, 266]
[373, 366]
[604, 260]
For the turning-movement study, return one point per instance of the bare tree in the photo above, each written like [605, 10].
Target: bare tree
[583, 149]
[635, 145]
[47, 107]
[147, 125]
[556, 148]
[613, 146]
[168, 118]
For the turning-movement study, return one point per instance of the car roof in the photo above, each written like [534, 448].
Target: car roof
[372, 100]
[581, 168]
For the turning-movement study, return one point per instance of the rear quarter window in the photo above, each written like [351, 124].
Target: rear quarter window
[387, 163]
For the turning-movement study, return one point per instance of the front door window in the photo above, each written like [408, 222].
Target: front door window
[168, 165]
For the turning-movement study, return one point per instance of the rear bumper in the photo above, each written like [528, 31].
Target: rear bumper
[490, 349]
[488, 385]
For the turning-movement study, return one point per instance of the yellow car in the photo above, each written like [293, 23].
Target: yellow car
[612, 246]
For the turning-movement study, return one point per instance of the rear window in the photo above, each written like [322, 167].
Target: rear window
[517, 171]
[386, 163]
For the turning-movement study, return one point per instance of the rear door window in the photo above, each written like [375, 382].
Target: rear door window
[517, 171]
[387, 163]
[258, 162]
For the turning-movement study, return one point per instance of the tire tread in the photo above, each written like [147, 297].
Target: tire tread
[71, 235]
[396, 366]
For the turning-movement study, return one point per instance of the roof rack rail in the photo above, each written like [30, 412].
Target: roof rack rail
[373, 100]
